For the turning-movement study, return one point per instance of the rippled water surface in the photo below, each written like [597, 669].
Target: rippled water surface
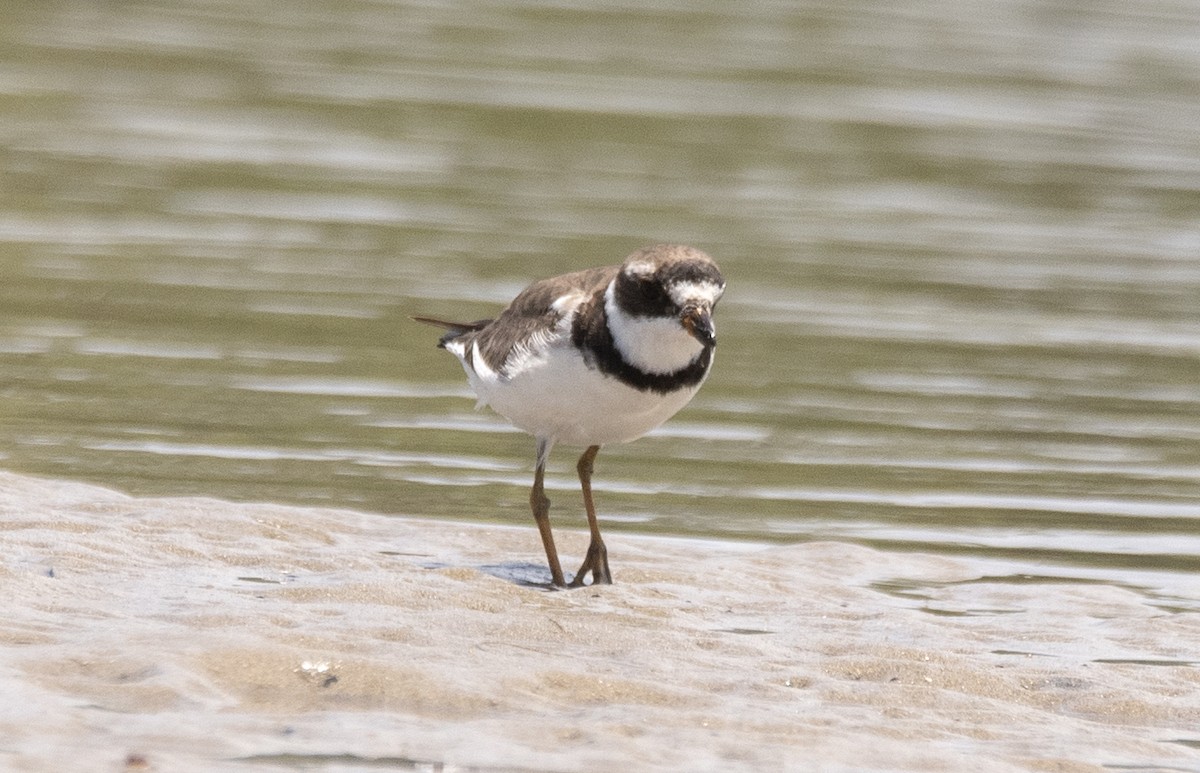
[962, 244]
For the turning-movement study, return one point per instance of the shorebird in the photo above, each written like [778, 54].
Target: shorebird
[590, 358]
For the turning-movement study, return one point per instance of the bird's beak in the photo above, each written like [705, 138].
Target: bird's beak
[698, 321]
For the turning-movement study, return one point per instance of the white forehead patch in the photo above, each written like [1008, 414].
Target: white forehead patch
[641, 269]
[701, 293]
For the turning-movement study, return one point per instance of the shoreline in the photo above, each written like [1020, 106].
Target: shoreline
[188, 633]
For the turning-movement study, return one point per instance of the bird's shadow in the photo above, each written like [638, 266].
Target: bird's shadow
[527, 574]
[523, 573]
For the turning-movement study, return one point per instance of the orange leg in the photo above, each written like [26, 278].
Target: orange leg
[596, 560]
[540, 504]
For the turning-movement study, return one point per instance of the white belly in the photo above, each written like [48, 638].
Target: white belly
[556, 396]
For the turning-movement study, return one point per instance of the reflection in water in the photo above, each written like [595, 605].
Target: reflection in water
[961, 252]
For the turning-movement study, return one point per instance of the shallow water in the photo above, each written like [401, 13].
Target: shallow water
[961, 244]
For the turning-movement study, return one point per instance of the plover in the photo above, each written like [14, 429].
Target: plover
[590, 358]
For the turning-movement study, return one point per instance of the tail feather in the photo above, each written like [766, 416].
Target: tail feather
[453, 329]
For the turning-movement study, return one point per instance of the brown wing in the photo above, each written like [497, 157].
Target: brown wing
[534, 313]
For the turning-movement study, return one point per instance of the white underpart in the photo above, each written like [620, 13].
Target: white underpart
[652, 344]
[562, 400]
[556, 397]
[477, 373]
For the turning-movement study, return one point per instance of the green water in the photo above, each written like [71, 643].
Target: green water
[961, 242]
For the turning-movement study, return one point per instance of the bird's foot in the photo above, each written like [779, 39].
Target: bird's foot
[596, 562]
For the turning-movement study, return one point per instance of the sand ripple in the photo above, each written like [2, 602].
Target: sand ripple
[190, 634]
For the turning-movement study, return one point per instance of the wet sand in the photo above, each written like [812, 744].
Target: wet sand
[195, 634]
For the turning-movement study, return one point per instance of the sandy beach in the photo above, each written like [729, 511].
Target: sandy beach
[195, 634]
